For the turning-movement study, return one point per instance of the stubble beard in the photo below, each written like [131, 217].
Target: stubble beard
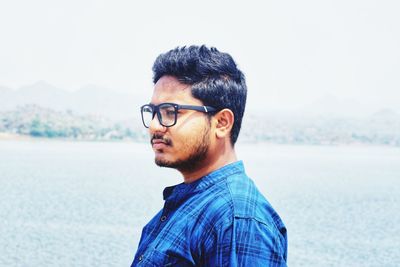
[197, 155]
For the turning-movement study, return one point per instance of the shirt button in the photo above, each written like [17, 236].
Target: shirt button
[140, 257]
[163, 218]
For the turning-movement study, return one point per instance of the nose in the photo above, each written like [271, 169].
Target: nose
[155, 125]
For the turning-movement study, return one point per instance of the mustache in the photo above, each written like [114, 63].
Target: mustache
[161, 138]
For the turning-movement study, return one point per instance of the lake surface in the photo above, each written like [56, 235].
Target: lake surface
[84, 203]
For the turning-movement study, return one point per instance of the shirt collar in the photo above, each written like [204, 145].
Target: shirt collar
[182, 190]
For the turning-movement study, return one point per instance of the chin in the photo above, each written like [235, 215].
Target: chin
[163, 162]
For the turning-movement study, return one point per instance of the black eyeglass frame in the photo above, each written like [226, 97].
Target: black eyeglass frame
[156, 110]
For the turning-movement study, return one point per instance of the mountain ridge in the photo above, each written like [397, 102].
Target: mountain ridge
[89, 99]
[97, 100]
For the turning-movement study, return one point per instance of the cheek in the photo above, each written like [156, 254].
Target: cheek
[189, 131]
[186, 141]
[195, 138]
[183, 144]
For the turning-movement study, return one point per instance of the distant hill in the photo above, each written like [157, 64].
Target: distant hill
[383, 128]
[386, 114]
[36, 121]
[89, 99]
[93, 112]
[96, 100]
[330, 105]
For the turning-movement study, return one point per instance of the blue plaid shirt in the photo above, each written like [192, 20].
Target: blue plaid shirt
[218, 220]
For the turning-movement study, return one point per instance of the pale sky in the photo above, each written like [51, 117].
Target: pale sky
[292, 52]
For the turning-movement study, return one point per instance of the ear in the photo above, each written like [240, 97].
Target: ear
[224, 123]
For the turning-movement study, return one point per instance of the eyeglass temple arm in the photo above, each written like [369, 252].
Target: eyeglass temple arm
[205, 109]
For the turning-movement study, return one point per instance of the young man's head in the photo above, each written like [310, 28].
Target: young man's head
[213, 76]
[211, 95]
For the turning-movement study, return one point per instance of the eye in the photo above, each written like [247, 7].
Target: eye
[170, 112]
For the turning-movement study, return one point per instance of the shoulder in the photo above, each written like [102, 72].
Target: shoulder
[256, 228]
[249, 203]
[244, 227]
[236, 197]
[247, 200]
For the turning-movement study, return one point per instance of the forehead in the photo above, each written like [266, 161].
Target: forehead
[169, 89]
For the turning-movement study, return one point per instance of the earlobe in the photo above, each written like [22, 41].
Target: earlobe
[225, 119]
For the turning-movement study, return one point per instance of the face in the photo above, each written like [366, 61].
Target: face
[184, 145]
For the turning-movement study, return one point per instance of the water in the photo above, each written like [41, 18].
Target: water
[84, 204]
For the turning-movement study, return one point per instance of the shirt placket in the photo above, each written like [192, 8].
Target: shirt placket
[169, 207]
[161, 223]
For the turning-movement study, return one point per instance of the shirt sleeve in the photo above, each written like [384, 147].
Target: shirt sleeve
[247, 242]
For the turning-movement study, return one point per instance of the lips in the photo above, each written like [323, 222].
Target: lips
[159, 143]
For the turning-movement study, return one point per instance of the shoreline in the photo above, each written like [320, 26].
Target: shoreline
[20, 137]
[14, 137]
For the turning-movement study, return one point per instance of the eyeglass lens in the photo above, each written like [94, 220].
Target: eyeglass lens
[166, 114]
[147, 115]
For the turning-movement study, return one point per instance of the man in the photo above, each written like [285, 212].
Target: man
[216, 217]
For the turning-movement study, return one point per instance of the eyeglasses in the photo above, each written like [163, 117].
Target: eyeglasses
[167, 113]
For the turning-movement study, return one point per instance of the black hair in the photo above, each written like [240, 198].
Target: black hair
[214, 78]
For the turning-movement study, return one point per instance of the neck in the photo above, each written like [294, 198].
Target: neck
[210, 164]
